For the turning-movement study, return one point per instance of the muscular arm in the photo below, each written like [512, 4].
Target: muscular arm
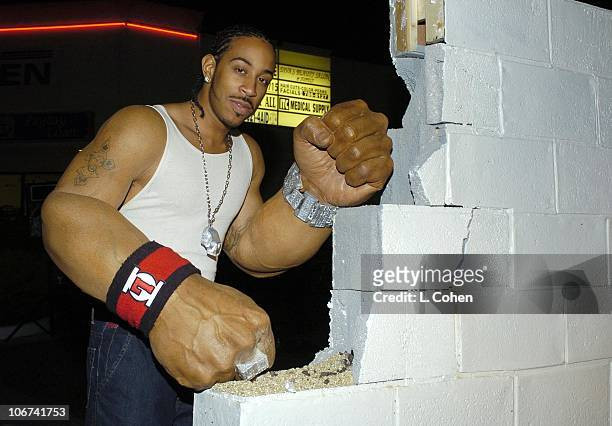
[266, 239]
[204, 327]
[344, 158]
[83, 232]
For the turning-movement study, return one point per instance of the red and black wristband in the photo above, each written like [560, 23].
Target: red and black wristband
[145, 282]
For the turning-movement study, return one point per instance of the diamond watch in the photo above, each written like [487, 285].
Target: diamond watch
[305, 206]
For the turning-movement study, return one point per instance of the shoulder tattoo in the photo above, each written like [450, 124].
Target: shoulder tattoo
[96, 162]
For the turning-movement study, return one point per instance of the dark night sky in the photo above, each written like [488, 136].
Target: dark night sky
[348, 29]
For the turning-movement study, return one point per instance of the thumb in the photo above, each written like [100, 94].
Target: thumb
[316, 132]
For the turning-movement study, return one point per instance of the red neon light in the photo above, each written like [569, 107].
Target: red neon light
[62, 27]
[161, 30]
[97, 25]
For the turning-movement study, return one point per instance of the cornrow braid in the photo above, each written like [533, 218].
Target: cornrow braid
[223, 40]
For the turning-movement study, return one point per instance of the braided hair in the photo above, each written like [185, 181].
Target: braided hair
[223, 40]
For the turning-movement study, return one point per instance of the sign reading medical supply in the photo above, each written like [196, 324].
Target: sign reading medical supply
[301, 87]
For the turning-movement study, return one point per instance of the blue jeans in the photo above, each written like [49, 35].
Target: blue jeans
[127, 386]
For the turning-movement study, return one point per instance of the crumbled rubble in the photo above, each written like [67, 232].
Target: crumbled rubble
[333, 372]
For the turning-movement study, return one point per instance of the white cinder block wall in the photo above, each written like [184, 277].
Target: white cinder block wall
[506, 147]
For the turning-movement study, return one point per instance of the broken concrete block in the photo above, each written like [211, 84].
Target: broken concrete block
[462, 86]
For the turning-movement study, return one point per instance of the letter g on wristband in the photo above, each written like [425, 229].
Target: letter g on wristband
[145, 282]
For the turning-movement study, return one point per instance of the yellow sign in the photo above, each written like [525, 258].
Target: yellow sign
[301, 87]
[306, 91]
[264, 116]
[303, 75]
[302, 106]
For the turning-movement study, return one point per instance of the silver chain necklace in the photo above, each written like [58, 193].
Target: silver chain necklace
[210, 237]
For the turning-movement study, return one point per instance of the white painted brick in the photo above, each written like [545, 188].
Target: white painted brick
[504, 173]
[381, 354]
[391, 346]
[580, 37]
[432, 176]
[584, 179]
[466, 401]
[423, 230]
[212, 408]
[589, 337]
[398, 190]
[546, 102]
[513, 342]
[489, 232]
[604, 100]
[378, 341]
[356, 405]
[562, 234]
[609, 249]
[516, 28]
[396, 229]
[431, 345]
[356, 231]
[462, 86]
[415, 144]
[571, 395]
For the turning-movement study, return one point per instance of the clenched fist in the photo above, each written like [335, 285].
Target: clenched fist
[204, 329]
[345, 156]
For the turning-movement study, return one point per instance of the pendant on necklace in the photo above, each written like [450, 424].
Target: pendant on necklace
[211, 241]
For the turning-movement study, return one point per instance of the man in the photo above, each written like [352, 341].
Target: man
[173, 174]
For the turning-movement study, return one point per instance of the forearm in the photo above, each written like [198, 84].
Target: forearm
[275, 240]
[88, 240]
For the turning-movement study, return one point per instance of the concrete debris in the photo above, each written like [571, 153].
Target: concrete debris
[333, 372]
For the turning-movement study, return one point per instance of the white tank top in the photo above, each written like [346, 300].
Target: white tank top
[171, 208]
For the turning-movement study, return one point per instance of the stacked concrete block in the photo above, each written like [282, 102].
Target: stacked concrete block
[575, 394]
[580, 37]
[538, 101]
[583, 179]
[604, 106]
[516, 28]
[462, 87]
[466, 400]
[509, 342]
[589, 337]
[366, 405]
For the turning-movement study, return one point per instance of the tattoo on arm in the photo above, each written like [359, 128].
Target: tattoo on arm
[95, 161]
[233, 237]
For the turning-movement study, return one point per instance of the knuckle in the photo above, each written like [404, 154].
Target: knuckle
[361, 103]
[353, 153]
[311, 120]
[261, 319]
[382, 119]
[341, 164]
[389, 164]
[388, 143]
[349, 132]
